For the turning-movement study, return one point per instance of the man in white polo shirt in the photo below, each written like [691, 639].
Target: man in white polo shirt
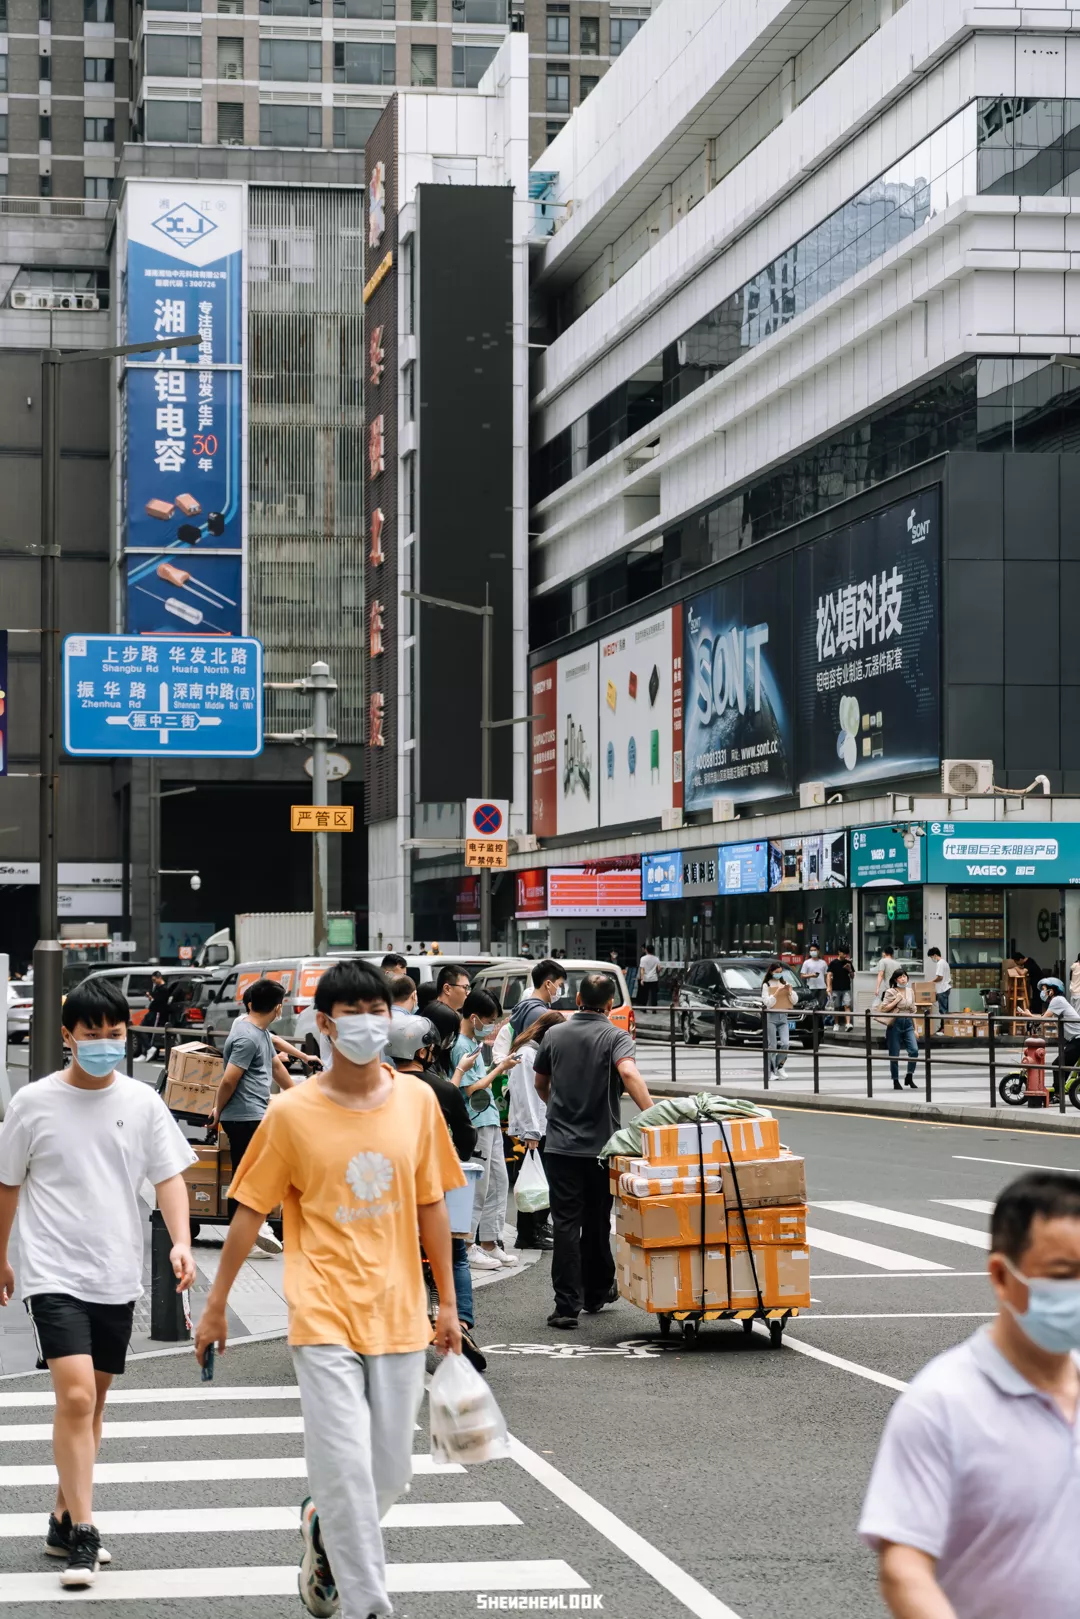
[974, 1500]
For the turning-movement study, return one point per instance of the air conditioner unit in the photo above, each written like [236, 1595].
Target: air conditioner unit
[811, 794]
[230, 140]
[20, 299]
[65, 300]
[527, 843]
[961, 777]
[671, 820]
[232, 70]
[87, 300]
[723, 809]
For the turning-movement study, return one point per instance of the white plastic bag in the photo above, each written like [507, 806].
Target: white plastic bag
[531, 1187]
[466, 1423]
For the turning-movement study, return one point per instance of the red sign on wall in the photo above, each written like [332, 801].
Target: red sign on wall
[544, 760]
[531, 893]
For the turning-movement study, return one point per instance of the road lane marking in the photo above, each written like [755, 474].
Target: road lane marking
[838, 1361]
[1013, 1163]
[901, 1315]
[191, 1472]
[909, 1222]
[893, 1276]
[193, 1583]
[165, 1428]
[974, 1205]
[261, 1520]
[201, 1391]
[675, 1580]
[868, 1252]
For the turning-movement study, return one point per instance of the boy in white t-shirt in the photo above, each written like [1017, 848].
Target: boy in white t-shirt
[74, 1150]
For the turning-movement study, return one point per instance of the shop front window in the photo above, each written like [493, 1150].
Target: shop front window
[893, 917]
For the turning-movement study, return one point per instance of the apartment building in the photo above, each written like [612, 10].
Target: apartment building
[572, 44]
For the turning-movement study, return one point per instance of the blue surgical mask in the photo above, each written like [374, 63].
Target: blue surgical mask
[98, 1058]
[483, 1031]
[1052, 1318]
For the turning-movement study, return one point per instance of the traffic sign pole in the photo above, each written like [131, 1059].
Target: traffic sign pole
[321, 686]
[485, 763]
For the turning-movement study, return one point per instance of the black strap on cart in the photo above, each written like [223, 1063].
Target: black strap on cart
[742, 1217]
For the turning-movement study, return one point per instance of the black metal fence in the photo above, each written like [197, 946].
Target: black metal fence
[1001, 1048]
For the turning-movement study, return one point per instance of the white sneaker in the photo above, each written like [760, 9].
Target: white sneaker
[267, 1242]
[480, 1259]
[507, 1259]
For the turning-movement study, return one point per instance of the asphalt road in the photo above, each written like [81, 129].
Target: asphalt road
[721, 1479]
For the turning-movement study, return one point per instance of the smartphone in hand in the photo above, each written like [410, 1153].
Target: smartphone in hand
[208, 1363]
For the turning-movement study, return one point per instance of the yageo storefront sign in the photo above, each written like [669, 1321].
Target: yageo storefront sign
[987, 852]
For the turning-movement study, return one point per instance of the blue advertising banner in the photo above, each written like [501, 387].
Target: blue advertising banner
[738, 733]
[195, 698]
[182, 494]
[3, 702]
[662, 875]
[868, 687]
[1041, 853]
[880, 857]
[744, 868]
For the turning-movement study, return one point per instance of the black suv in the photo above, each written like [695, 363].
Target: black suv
[722, 992]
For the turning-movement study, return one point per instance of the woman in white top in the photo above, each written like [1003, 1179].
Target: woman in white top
[779, 999]
[526, 1118]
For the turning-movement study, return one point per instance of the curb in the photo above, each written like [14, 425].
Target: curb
[1045, 1121]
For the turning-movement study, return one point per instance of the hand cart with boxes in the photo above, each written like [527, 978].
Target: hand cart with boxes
[710, 1223]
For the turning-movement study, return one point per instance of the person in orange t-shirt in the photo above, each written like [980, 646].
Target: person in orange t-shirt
[360, 1158]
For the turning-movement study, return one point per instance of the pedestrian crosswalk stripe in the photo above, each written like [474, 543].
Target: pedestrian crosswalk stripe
[868, 1252]
[909, 1222]
[263, 1520]
[195, 1471]
[193, 1583]
[164, 1396]
[165, 1428]
[975, 1205]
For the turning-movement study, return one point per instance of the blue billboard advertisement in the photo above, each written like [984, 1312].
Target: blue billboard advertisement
[182, 492]
[662, 875]
[738, 737]
[744, 868]
[887, 856]
[1043, 853]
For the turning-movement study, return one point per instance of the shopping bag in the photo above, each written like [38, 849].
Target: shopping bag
[466, 1423]
[531, 1187]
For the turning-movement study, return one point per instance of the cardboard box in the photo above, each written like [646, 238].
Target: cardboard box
[783, 1224]
[768, 1181]
[190, 1096]
[783, 1275]
[925, 994]
[671, 1221]
[663, 1279]
[643, 1186]
[677, 1144]
[617, 1165]
[201, 1180]
[192, 1060]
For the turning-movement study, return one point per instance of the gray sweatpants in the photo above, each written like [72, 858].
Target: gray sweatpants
[359, 1415]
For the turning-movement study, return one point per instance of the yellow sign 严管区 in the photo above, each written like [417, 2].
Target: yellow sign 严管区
[320, 818]
[490, 852]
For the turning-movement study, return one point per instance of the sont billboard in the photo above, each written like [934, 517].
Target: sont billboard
[867, 652]
[637, 763]
[577, 739]
[737, 717]
[182, 484]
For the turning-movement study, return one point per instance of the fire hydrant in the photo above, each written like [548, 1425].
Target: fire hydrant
[1033, 1062]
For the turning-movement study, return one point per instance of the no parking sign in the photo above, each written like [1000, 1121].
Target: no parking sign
[486, 840]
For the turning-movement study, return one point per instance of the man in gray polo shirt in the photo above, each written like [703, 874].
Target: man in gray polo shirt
[974, 1501]
[243, 1093]
[580, 1071]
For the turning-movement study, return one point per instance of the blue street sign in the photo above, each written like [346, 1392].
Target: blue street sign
[163, 696]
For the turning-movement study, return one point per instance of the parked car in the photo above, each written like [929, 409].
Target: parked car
[721, 993]
[510, 980]
[135, 982]
[20, 1009]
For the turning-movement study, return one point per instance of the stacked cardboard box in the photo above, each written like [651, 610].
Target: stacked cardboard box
[192, 1081]
[755, 1219]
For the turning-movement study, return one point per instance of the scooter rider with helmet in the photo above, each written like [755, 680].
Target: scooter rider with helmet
[1057, 1005]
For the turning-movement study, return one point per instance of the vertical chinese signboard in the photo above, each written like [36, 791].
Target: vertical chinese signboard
[380, 467]
[181, 432]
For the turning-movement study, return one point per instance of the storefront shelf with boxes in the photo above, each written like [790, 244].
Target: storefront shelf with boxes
[977, 941]
[190, 1088]
[731, 1246]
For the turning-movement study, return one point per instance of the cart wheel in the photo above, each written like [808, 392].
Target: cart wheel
[748, 1325]
[776, 1334]
[665, 1325]
[690, 1331]
[195, 1229]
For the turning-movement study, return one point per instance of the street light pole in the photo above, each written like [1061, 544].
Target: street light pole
[485, 762]
[320, 686]
[46, 1053]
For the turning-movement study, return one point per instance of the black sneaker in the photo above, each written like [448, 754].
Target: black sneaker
[83, 1557]
[565, 1323]
[58, 1539]
[473, 1354]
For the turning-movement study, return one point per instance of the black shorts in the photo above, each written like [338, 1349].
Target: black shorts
[67, 1326]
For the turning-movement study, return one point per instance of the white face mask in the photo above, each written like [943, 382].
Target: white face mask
[361, 1036]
